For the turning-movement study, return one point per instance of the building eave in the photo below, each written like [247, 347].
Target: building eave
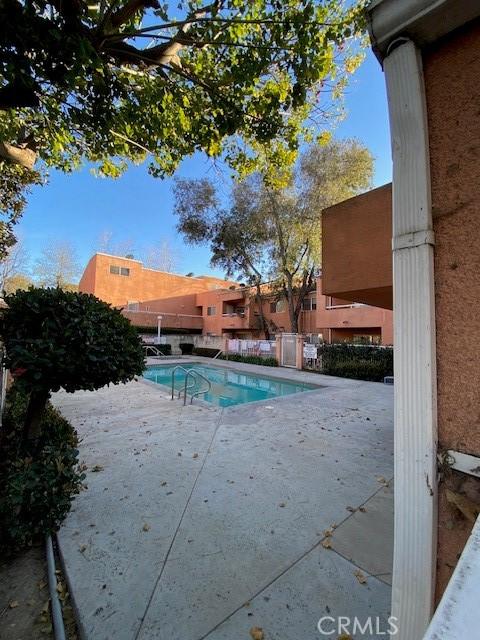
[423, 21]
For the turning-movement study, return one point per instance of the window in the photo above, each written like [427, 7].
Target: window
[119, 271]
[309, 304]
[211, 311]
[132, 306]
[278, 306]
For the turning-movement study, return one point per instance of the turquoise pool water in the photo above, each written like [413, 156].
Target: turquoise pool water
[229, 387]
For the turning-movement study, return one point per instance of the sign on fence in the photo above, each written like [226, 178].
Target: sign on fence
[310, 351]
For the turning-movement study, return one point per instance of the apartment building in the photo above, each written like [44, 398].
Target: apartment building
[125, 281]
[235, 313]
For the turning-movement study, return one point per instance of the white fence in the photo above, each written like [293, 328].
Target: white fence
[265, 348]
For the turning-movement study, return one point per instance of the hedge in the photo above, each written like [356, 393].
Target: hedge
[207, 352]
[37, 482]
[186, 348]
[234, 357]
[358, 362]
[165, 349]
[237, 357]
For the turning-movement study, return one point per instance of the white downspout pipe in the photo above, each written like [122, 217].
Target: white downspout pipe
[415, 544]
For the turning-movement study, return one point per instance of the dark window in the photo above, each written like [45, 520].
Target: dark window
[278, 306]
[119, 271]
[211, 311]
[309, 304]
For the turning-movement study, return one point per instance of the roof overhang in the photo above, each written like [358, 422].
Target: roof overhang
[423, 21]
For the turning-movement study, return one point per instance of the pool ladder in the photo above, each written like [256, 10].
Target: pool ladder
[186, 386]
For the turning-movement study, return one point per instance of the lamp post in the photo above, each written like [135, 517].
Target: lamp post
[159, 319]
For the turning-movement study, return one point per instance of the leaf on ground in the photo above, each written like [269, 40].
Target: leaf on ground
[327, 543]
[345, 636]
[382, 481]
[82, 548]
[351, 509]
[257, 633]
[360, 576]
[13, 604]
[96, 468]
[282, 504]
[146, 527]
[42, 584]
[328, 532]
[47, 630]
[195, 455]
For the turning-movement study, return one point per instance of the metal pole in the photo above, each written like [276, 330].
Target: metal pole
[159, 326]
[58, 628]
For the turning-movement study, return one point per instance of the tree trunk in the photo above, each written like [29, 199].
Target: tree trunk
[263, 322]
[293, 312]
[35, 409]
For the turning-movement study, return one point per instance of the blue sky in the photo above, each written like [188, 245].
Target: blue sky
[137, 207]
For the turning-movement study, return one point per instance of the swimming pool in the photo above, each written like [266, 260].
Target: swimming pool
[229, 386]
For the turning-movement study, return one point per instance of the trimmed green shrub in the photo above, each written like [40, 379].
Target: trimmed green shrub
[207, 352]
[38, 481]
[237, 357]
[358, 362]
[186, 348]
[59, 339]
[358, 370]
[165, 349]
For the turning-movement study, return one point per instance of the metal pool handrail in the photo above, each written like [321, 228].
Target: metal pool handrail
[197, 393]
[179, 366]
[188, 386]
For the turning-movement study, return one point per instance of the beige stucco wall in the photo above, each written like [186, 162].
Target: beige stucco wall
[452, 81]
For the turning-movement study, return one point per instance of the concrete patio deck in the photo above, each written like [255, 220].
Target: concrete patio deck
[201, 523]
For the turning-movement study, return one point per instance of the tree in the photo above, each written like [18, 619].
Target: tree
[58, 339]
[107, 244]
[272, 233]
[13, 269]
[324, 176]
[162, 256]
[57, 266]
[121, 81]
[237, 236]
[15, 185]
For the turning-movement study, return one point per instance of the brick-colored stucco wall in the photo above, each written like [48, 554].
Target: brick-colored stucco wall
[357, 248]
[452, 82]
[191, 311]
[141, 284]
